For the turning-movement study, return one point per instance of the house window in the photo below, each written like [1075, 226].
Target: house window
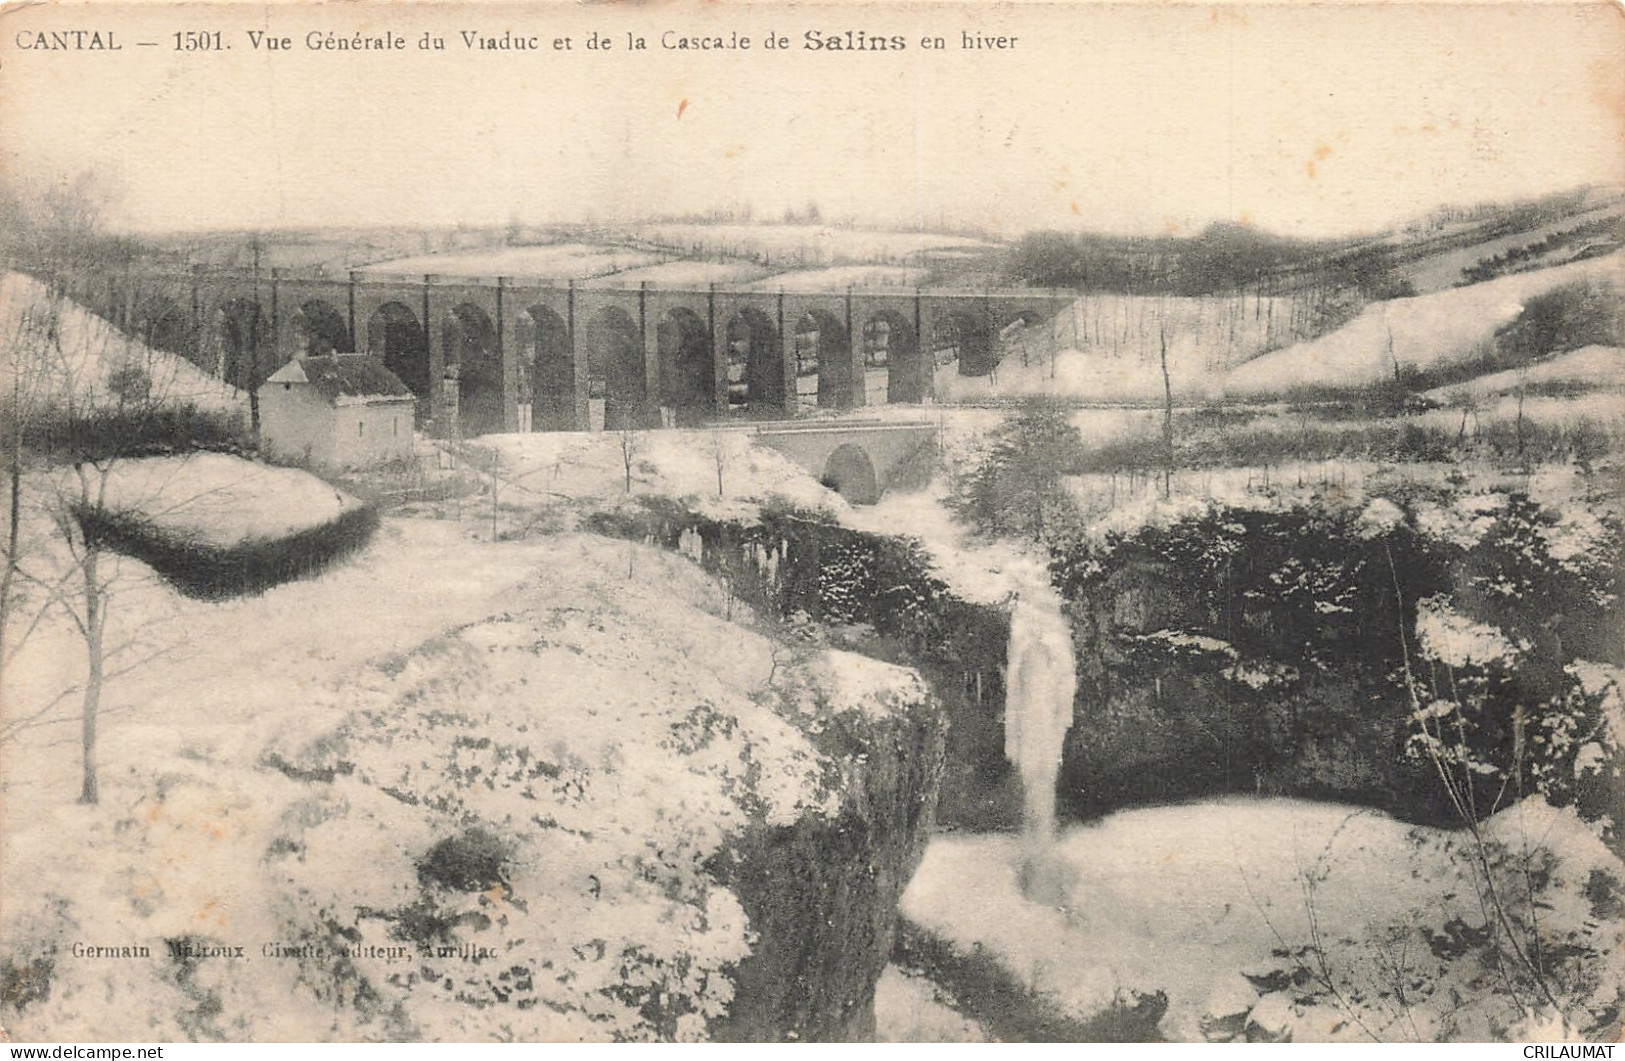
[287, 386]
[360, 428]
[395, 426]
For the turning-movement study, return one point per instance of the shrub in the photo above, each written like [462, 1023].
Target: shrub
[130, 431]
[214, 572]
[1583, 313]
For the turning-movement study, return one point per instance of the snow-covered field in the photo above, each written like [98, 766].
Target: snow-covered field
[1108, 348]
[1436, 272]
[841, 277]
[808, 243]
[693, 273]
[1191, 900]
[556, 261]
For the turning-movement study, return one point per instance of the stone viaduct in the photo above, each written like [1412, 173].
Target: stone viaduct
[507, 353]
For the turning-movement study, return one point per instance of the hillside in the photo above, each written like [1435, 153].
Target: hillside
[501, 753]
[63, 350]
[1427, 332]
[1426, 255]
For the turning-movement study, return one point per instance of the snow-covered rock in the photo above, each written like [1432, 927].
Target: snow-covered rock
[1271, 1019]
[1224, 1015]
[572, 804]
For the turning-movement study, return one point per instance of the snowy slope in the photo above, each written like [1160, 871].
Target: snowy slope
[1588, 367]
[671, 463]
[558, 261]
[612, 666]
[86, 351]
[1424, 332]
[1108, 348]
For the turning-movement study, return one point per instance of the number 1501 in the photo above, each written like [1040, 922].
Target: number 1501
[193, 40]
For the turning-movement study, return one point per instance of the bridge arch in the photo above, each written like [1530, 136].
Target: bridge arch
[755, 376]
[615, 374]
[469, 340]
[686, 380]
[319, 329]
[161, 324]
[547, 369]
[237, 332]
[965, 341]
[850, 473]
[399, 340]
[890, 343]
[823, 360]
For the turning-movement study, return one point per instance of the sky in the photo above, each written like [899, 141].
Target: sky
[1309, 120]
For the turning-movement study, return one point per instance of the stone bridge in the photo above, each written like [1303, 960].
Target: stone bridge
[859, 460]
[514, 353]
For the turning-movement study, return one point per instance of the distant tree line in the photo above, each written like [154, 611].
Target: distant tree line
[1228, 257]
[1605, 230]
[1223, 258]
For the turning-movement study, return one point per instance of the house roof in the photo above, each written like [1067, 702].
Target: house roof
[344, 379]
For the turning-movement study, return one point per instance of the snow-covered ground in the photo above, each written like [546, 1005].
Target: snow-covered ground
[1190, 900]
[811, 243]
[841, 277]
[1121, 505]
[693, 273]
[1588, 367]
[1426, 331]
[219, 499]
[677, 463]
[553, 261]
[1439, 271]
[55, 349]
[1108, 348]
[423, 628]
[910, 1009]
[539, 469]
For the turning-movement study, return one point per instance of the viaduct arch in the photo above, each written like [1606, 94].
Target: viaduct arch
[579, 355]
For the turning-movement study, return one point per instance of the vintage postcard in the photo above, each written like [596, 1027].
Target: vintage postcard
[902, 522]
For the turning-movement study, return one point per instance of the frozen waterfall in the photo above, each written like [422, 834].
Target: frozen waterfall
[1040, 684]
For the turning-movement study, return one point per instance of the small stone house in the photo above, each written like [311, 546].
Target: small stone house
[342, 410]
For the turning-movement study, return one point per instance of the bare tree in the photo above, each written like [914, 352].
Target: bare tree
[719, 456]
[632, 441]
[85, 397]
[1468, 402]
[1167, 413]
[1523, 389]
[30, 329]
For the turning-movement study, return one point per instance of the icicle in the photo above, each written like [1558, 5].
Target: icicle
[691, 545]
